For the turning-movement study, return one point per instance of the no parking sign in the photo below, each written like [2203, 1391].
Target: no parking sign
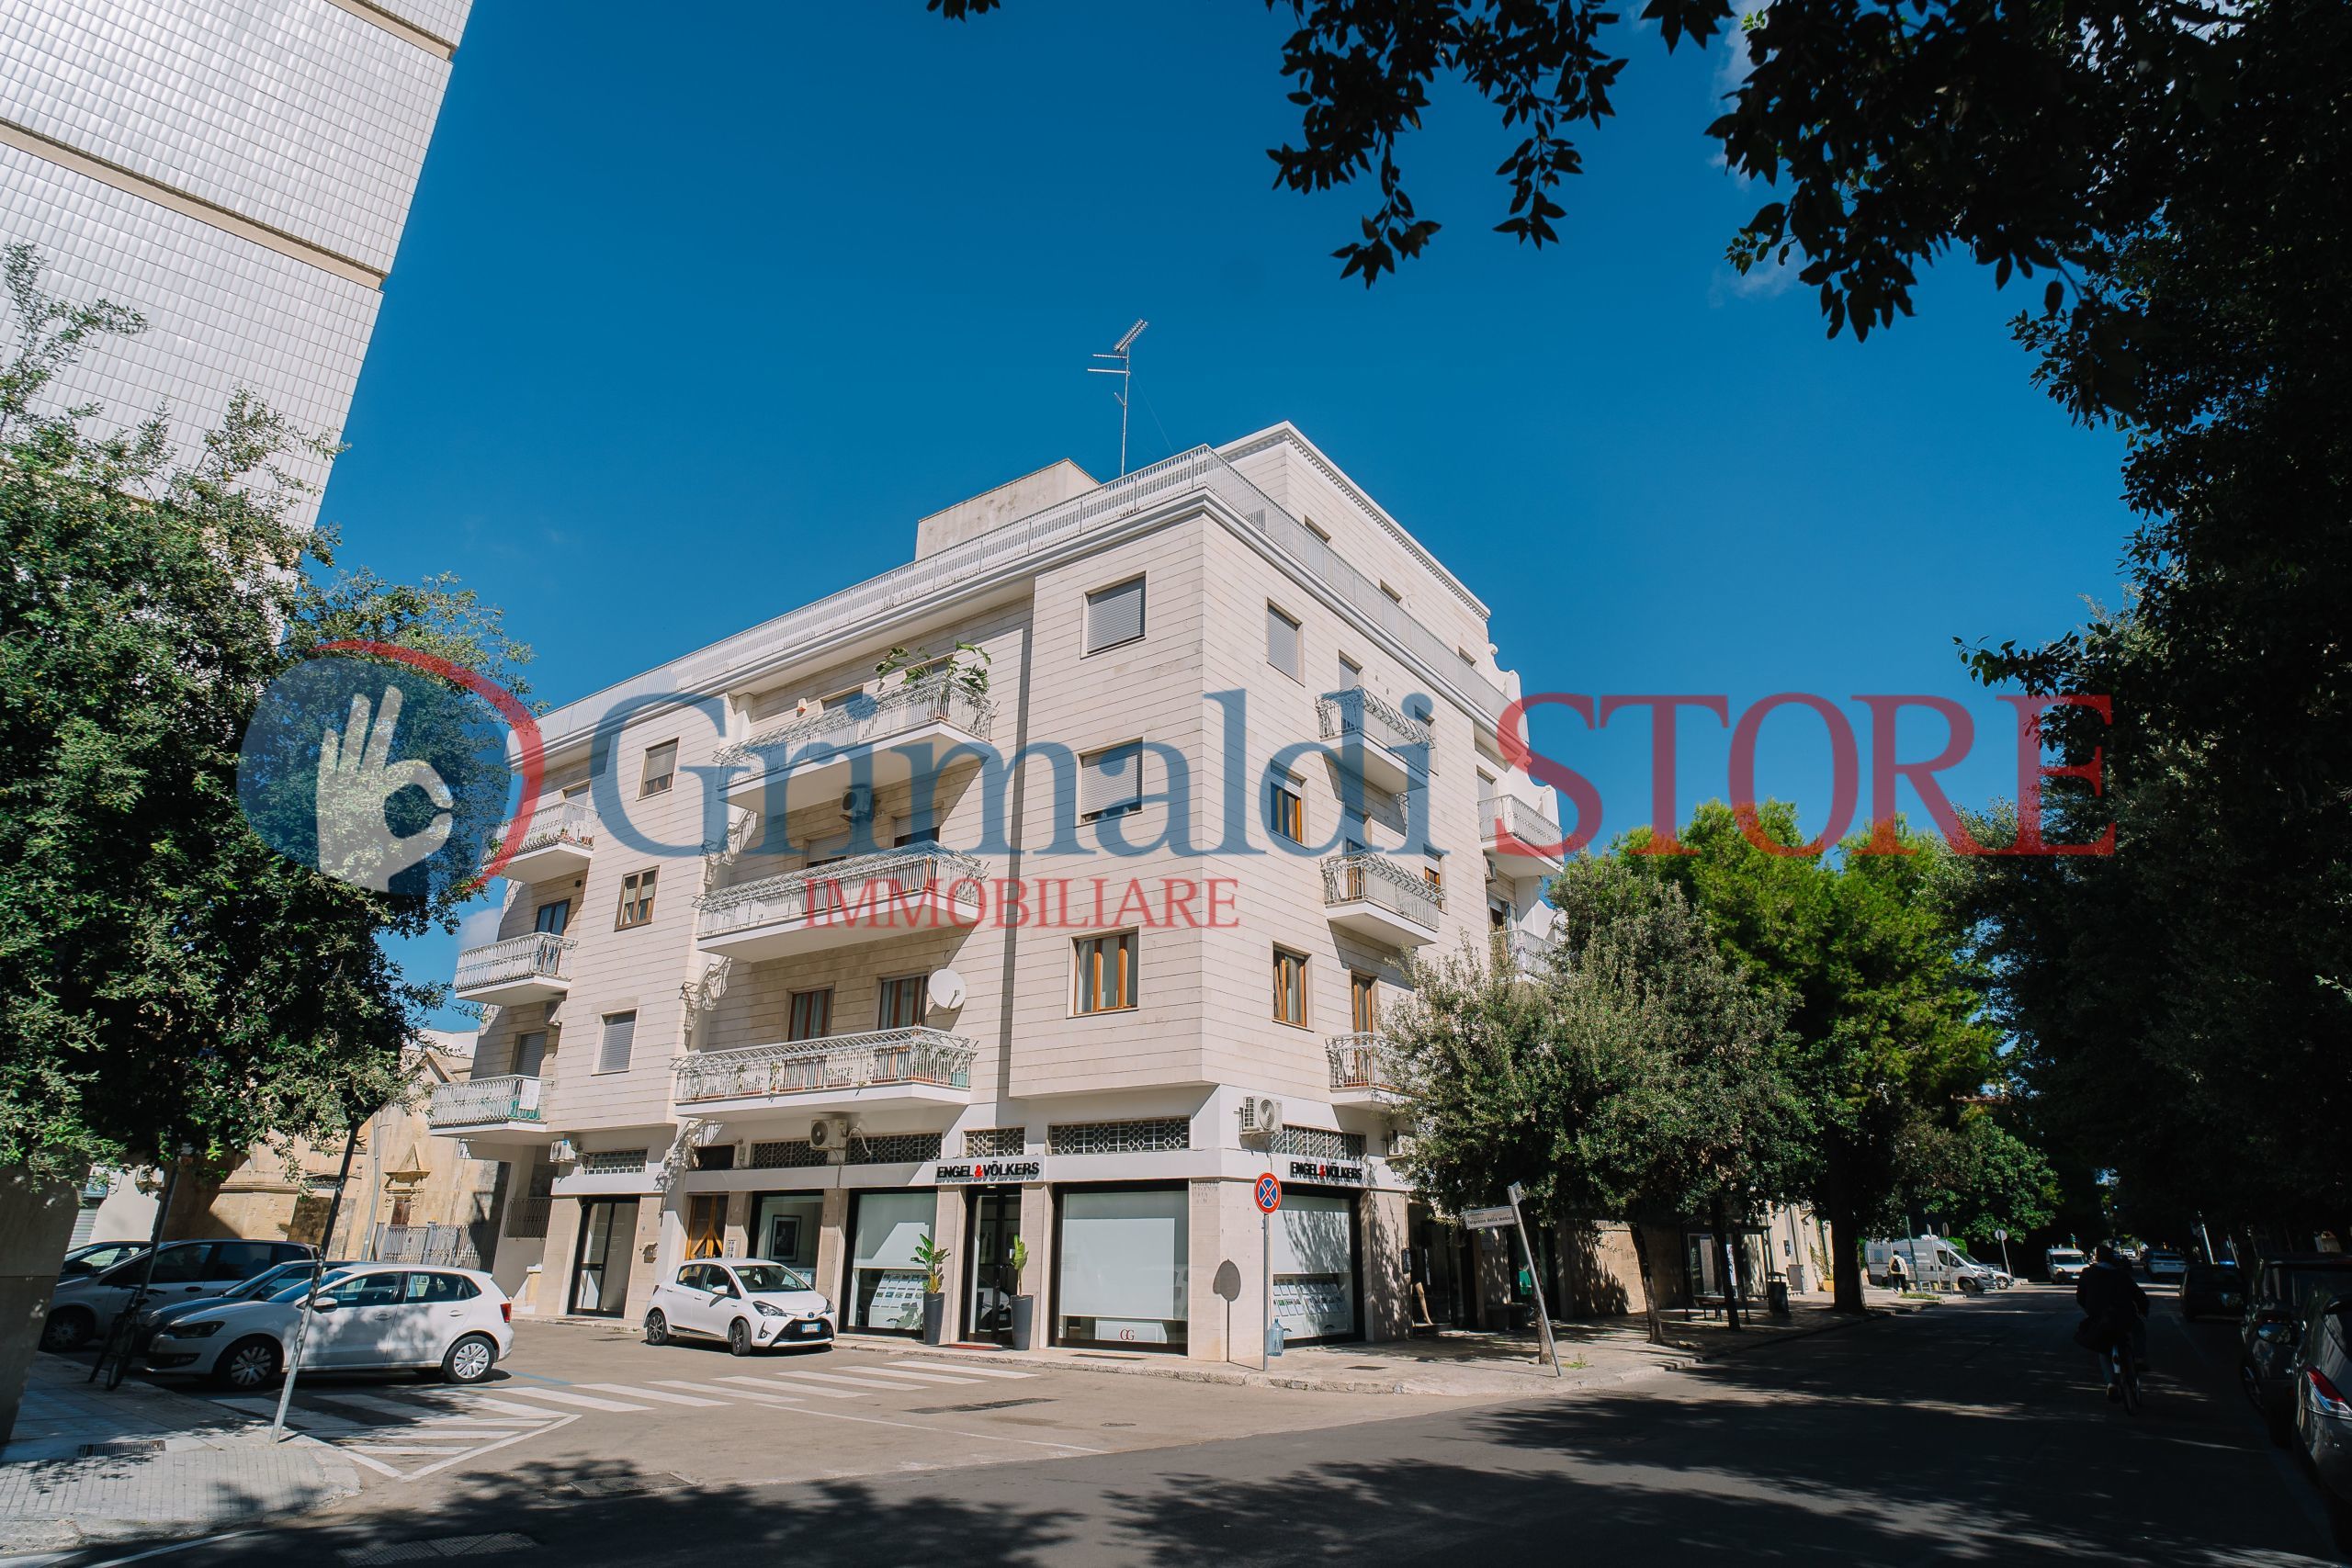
[1268, 1194]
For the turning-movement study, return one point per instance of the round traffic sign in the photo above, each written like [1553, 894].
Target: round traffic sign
[2000, 1235]
[1269, 1193]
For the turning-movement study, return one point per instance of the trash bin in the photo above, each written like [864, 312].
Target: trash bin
[1776, 1298]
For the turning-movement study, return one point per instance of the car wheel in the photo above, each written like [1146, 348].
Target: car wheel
[248, 1364]
[739, 1338]
[469, 1360]
[68, 1330]
[657, 1327]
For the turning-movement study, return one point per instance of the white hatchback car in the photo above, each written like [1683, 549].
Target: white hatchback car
[749, 1303]
[365, 1316]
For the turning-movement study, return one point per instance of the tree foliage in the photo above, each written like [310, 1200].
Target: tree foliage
[164, 976]
[1977, 1177]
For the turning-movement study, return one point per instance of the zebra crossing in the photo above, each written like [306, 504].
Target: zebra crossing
[408, 1433]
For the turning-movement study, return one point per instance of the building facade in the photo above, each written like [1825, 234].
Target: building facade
[1052, 886]
[238, 171]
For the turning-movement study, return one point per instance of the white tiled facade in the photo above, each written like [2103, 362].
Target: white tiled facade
[237, 171]
[1112, 1143]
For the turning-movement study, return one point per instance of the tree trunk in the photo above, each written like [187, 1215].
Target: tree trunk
[1845, 1257]
[1719, 1226]
[37, 1216]
[1649, 1284]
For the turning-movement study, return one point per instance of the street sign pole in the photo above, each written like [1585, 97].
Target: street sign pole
[1268, 1192]
[1535, 1279]
[318, 1273]
[2003, 1237]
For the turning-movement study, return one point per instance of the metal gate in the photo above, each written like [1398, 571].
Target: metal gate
[450, 1246]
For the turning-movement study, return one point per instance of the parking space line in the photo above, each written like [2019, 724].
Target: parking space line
[627, 1392]
[961, 1368]
[584, 1401]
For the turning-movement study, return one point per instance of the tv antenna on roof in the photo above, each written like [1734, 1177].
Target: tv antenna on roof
[1124, 371]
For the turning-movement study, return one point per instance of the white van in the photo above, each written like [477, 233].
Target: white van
[1930, 1263]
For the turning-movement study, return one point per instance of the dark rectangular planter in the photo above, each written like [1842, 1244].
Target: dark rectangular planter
[934, 1318]
[1025, 1322]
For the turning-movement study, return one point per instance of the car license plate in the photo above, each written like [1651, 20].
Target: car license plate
[805, 1329]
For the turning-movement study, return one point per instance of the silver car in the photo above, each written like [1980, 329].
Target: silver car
[2324, 1409]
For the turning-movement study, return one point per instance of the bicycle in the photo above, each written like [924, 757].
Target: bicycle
[2123, 1371]
[121, 1347]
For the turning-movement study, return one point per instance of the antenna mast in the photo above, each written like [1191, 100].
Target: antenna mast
[1124, 371]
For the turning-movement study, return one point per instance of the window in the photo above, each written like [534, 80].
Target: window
[637, 899]
[1350, 673]
[903, 1002]
[715, 1156]
[840, 700]
[1363, 1003]
[424, 1285]
[1434, 875]
[1320, 532]
[660, 767]
[1106, 973]
[619, 1038]
[1399, 598]
[552, 918]
[1282, 642]
[240, 1260]
[812, 1014]
[367, 1290]
[1290, 987]
[530, 1053]
[1286, 809]
[1114, 615]
[1110, 782]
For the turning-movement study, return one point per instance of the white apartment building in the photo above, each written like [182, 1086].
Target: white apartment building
[1257, 770]
[238, 171]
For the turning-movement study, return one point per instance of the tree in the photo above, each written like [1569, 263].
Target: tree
[1638, 1078]
[1978, 1177]
[1870, 954]
[165, 976]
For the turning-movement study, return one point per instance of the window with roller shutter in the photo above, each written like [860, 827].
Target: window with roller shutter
[1282, 643]
[1110, 781]
[618, 1039]
[1114, 615]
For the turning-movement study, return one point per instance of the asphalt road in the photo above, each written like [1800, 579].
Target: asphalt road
[1973, 1431]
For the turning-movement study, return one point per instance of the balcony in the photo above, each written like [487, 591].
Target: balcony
[843, 1072]
[1519, 837]
[864, 898]
[520, 969]
[509, 1105]
[1369, 894]
[811, 757]
[558, 841]
[1391, 751]
[1530, 955]
[1363, 1070]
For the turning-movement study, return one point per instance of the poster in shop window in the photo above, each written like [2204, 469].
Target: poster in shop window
[1310, 1306]
[896, 1302]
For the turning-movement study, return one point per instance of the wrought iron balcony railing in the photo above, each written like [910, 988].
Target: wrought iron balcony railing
[1370, 878]
[883, 1057]
[559, 822]
[866, 720]
[481, 1101]
[863, 889]
[536, 956]
[1361, 1061]
[1522, 822]
[1380, 723]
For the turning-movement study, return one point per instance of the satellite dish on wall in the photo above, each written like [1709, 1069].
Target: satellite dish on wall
[946, 990]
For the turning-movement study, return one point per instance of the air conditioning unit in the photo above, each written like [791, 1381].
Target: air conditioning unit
[827, 1135]
[1261, 1115]
[857, 802]
[562, 1151]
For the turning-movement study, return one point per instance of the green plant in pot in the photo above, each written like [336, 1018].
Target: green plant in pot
[932, 1259]
[1025, 1307]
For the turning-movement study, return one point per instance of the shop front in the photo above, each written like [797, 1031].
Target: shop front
[783, 1228]
[882, 1285]
[1122, 1266]
[600, 1269]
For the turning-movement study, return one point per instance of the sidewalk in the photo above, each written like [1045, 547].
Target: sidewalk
[1457, 1363]
[142, 1464]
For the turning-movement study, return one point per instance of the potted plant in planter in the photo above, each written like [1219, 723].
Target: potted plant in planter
[933, 1259]
[1025, 1307]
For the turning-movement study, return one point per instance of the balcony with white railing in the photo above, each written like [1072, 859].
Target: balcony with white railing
[1530, 955]
[1523, 840]
[1372, 895]
[842, 1072]
[864, 898]
[508, 1103]
[520, 969]
[1364, 1069]
[558, 841]
[1392, 751]
[810, 757]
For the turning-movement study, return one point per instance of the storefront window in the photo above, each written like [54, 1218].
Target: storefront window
[784, 1229]
[1314, 1265]
[1126, 1267]
[886, 1283]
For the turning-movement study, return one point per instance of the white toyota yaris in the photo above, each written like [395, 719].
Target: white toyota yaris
[749, 1303]
[367, 1315]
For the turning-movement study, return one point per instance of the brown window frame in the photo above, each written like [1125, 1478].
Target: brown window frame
[1363, 1002]
[648, 782]
[1088, 955]
[819, 1000]
[1286, 809]
[882, 994]
[637, 892]
[1289, 974]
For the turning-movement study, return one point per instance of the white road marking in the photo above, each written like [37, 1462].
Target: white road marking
[316, 1422]
[733, 1394]
[499, 1407]
[960, 1368]
[419, 1411]
[782, 1386]
[584, 1401]
[919, 1378]
[623, 1389]
[352, 1448]
[843, 1378]
[948, 1432]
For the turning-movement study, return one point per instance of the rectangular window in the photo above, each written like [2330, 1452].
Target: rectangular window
[637, 899]
[1322, 532]
[903, 1002]
[552, 918]
[1126, 1273]
[1363, 1003]
[1114, 615]
[812, 1014]
[1286, 809]
[1392, 593]
[619, 1038]
[1106, 973]
[1290, 987]
[660, 767]
[1111, 780]
[1282, 642]
[1350, 673]
[530, 1053]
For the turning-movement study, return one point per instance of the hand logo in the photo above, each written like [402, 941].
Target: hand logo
[356, 780]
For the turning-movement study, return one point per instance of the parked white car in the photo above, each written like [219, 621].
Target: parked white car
[368, 1316]
[84, 1306]
[749, 1303]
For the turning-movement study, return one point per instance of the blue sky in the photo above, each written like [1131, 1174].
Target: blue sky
[692, 321]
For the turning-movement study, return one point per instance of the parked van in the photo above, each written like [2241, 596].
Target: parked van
[1930, 1263]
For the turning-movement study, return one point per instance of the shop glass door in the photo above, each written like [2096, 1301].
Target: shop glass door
[995, 1223]
[607, 1235]
[885, 1281]
[1314, 1265]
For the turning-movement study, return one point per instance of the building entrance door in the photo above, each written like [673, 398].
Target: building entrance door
[993, 1219]
[705, 1224]
[607, 1235]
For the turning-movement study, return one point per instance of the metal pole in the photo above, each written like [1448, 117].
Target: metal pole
[318, 1272]
[2207, 1238]
[2004, 1258]
[1535, 1279]
[1265, 1284]
[154, 1246]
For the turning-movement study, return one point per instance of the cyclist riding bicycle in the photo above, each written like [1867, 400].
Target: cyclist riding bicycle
[2114, 1308]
